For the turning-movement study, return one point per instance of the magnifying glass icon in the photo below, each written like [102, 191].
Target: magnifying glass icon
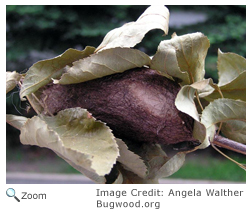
[11, 193]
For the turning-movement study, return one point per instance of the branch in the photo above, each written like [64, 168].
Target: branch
[229, 144]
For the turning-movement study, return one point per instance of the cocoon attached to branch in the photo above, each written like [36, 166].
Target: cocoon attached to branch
[137, 105]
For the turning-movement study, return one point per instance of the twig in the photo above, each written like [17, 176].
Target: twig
[243, 166]
[229, 144]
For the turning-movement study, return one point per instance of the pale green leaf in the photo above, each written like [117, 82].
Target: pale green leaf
[165, 61]
[130, 160]
[235, 89]
[185, 98]
[106, 62]
[221, 110]
[42, 72]
[16, 121]
[186, 104]
[76, 136]
[200, 133]
[210, 132]
[130, 34]
[90, 174]
[182, 57]
[36, 132]
[235, 130]
[232, 79]
[170, 166]
[12, 79]
[230, 66]
[160, 163]
[225, 110]
[131, 178]
[34, 101]
[185, 101]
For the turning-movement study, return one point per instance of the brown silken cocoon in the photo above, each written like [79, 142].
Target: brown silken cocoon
[138, 105]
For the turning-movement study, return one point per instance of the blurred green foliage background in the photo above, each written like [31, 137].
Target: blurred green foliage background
[53, 29]
[41, 32]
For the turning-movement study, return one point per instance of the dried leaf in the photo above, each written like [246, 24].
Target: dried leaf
[166, 62]
[225, 110]
[12, 79]
[90, 174]
[131, 161]
[34, 101]
[132, 178]
[235, 130]
[107, 62]
[171, 166]
[42, 72]
[16, 121]
[77, 137]
[230, 66]
[232, 78]
[130, 34]
[185, 103]
[182, 57]
[221, 110]
[159, 163]
[200, 133]
[185, 98]
[235, 89]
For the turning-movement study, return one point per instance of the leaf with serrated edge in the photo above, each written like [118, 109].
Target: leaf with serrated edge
[230, 66]
[90, 174]
[42, 72]
[75, 135]
[130, 34]
[236, 89]
[182, 57]
[11, 80]
[221, 110]
[224, 110]
[107, 62]
[130, 160]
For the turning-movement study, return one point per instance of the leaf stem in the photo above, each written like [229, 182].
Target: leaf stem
[198, 99]
[221, 94]
[239, 164]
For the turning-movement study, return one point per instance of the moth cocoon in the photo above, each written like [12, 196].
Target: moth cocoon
[138, 105]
